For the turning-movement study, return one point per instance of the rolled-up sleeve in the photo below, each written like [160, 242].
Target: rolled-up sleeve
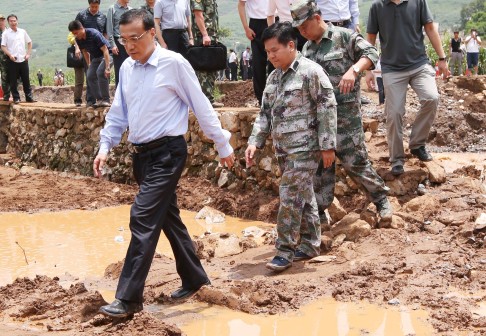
[363, 48]
[190, 92]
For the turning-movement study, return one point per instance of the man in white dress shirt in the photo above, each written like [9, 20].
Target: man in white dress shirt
[156, 88]
[341, 13]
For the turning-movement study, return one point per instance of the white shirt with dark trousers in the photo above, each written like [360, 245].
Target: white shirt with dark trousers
[256, 11]
[15, 41]
[340, 12]
[153, 100]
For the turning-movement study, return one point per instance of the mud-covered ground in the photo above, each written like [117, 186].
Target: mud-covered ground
[434, 257]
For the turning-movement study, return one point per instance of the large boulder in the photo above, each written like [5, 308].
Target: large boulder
[426, 205]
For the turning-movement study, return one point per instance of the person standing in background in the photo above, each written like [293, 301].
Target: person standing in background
[40, 77]
[246, 63]
[473, 43]
[233, 64]
[13, 44]
[90, 17]
[113, 30]
[256, 11]
[173, 25]
[205, 22]
[341, 13]
[149, 6]
[4, 63]
[456, 54]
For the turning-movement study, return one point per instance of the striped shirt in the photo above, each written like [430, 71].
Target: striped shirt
[96, 21]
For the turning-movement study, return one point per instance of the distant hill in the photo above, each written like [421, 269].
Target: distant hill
[46, 22]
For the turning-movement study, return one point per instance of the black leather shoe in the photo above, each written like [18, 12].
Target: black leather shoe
[121, 308]
[16, 101]
[30, 100]
[183, 293]
[397, 170]
[422, 154]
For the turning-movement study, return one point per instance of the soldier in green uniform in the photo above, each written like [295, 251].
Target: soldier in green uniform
[343, 55]
[299, 111]
[3, 63]
[205, 28]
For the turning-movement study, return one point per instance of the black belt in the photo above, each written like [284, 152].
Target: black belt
[175, 30]
[340, 23]
[141, 148]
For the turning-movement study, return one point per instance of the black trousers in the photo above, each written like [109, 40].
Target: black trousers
[157, 172]
[15, 70]
[259, 62]
[234, 71]
[118, 59]
[177, 40]
[381, 90]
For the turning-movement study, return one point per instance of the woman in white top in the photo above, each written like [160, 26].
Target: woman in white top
[473, 43]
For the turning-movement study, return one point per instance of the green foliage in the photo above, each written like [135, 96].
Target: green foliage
[474, 15]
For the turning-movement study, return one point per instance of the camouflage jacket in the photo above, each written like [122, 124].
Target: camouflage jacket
[210, 14]
[298, 108]
[338, 50]
[3, 57]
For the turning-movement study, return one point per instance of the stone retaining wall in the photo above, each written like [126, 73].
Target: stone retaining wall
[64, 138]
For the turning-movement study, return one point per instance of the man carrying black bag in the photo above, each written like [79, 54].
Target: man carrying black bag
[205, 29]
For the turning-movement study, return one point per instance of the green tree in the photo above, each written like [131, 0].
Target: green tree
[478, 22]
[224, 32]
[474, 14]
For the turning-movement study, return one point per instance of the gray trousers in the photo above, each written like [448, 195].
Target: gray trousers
[456, 58]
[99, 85]
[422, 81]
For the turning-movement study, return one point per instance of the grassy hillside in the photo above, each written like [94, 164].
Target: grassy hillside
[46, 22]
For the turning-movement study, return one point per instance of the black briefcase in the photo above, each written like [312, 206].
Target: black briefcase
[72, 61]
[207, 58]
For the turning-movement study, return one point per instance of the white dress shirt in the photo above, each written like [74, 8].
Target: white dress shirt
[256, 9]
[15, 42]
[282, 7]
[153, 100]
[339, 10]
[172, 13]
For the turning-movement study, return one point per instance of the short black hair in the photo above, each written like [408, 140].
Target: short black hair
[75, 25]
[94, 2]
[283, 31]
[138, 14]
[12, 15]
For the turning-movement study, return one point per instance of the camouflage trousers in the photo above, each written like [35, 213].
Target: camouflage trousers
[3, 73]
[298, 217]
[353, 154]
[207, 79]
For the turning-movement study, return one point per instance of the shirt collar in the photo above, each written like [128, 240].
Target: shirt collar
[153, 59]
[294, 65]
[117, 5]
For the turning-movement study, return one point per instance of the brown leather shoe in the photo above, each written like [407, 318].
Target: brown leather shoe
[121, 308]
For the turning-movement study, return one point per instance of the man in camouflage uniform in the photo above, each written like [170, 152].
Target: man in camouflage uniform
[3, 63]
[299, 110]
[205, 28]
[343, 55]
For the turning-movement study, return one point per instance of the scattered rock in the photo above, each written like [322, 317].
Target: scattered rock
[326, 243]
[211, 215]
[338, 240]
[322, 259]
[394, 302]
[336, 211]
[437, 172]
[426, 205]
[351, 226]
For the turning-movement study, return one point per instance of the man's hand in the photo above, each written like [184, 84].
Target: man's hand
[249, 154]
[107, 73]
[99, 163]
[328, 157]
[77, 52]
[357, 29]
[114, 50]
[191, 41]
[346, 84]
[163, 45]
[444, 69]
[27, 56]
[206, 40]
[228, 161]
[370, 80]
[250, 34]
[12, 58]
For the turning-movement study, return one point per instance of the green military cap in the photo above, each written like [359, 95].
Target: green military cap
[301, 10]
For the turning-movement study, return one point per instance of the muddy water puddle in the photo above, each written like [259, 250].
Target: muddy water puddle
[79, 243]
[323, 317]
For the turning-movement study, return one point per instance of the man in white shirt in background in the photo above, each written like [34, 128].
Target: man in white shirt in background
[341, 13]
[14, 41]
[473, 43]
[279, 10]
[246, 62]
[256, 11]
[173, 25]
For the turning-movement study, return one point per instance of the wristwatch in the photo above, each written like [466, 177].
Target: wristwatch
[356, 70]
[442, 58]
